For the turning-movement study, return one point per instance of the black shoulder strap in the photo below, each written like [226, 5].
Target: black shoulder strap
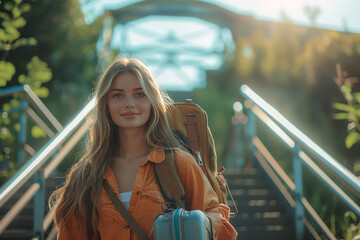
[124, 213]
[169, 181]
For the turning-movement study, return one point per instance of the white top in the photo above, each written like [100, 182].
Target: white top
[125, 198]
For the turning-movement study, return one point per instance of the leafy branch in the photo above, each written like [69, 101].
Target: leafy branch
[12, 20]
[351, 110]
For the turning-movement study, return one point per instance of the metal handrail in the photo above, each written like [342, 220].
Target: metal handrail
[325, 158]
[281, 127]
[62, 142]
[306, 159]
[35, 100]
[290, 184]
[37, 161]
[31, 191]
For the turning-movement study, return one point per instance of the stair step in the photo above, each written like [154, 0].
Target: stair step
[255, 205]
[261, 216]
[21, 227]
[21, 222]
[20, 234]
[252, 194]
[246, 183]
[264, 202]
[271, 232]
[246, 220]
[253, 209]
[242, 173]
[6, 207]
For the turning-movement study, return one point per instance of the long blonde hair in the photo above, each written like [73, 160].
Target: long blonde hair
[83, 184]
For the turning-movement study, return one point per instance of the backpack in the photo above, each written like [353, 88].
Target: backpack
[189, 123]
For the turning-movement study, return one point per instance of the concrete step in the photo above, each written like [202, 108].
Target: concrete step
[247, 220]
[21, 227]
[268, 233]
[21, 222]
[247, 183]
[231, 173]
[18, 234]
[267, 207]
[261, 216]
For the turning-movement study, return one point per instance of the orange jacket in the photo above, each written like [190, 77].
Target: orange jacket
[146, 201]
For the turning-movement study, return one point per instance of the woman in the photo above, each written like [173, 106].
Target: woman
[128, 133]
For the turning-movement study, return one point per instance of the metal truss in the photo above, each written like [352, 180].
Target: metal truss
[178, 40]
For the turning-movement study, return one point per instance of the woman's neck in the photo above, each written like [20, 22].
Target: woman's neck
[132, 143]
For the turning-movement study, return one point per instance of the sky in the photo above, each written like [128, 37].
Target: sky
[333, 13]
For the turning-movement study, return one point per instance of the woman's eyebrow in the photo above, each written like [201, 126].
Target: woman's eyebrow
[122, 90]
[116, 89]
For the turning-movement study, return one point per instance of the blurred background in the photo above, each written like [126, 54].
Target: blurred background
[303, 57]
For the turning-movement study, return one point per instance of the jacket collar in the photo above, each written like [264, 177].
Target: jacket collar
[155, 156]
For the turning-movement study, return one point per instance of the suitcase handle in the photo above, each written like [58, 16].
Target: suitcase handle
[166, 210]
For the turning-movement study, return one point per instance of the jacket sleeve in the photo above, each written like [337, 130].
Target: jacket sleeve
[201, 196]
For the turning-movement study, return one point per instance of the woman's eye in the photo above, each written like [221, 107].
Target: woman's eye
[117, 95]
[140, 94]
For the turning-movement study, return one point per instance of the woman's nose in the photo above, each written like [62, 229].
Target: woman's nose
[129, 103]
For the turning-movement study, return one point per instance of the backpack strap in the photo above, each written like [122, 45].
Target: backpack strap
[190, 123]
[124, 213]
[169, 181]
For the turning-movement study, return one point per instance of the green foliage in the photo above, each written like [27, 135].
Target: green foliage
[37, 132]
[351, 139]
[56, 35]
[7, 71]
[68, 45]
[12, 20]
[38, 73]
[351, 110]
[351, 228]
[272, 58]
[217, 106]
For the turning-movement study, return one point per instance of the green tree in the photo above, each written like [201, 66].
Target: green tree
[12, 20]
[68, 45]
[312, 12]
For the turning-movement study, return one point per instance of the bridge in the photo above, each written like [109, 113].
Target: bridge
[270, 190]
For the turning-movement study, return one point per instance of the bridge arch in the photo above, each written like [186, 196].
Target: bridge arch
[188, 63]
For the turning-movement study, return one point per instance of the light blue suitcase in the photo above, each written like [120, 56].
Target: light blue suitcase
[182, 225]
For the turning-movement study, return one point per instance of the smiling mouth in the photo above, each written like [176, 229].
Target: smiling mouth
[130, 115]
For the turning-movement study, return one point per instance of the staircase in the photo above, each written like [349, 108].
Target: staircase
[21, 228]
[261, 214]
[264, 194]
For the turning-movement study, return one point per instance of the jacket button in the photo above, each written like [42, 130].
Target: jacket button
[138, 192]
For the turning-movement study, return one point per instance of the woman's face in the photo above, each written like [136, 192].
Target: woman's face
[128, 105]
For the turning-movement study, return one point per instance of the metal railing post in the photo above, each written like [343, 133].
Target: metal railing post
[39, 206]
[22, 132]
[236, 158]
[239, 147]
[250, 131]
[298, 180]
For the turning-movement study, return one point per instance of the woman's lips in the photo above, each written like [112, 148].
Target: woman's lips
[130, 115]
